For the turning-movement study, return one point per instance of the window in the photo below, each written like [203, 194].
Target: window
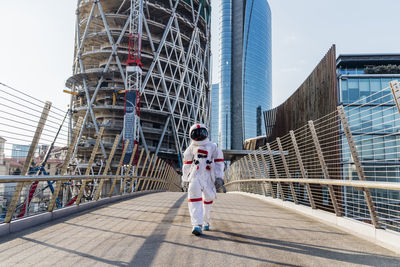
[353, 90]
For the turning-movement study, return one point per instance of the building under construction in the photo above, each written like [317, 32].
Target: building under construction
[174, 53]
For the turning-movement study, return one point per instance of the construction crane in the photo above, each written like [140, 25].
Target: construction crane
[133, 78]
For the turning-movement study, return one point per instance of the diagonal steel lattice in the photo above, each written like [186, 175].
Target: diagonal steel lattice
[175, 82]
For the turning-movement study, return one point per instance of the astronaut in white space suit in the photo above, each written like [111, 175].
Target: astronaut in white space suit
[203, 172]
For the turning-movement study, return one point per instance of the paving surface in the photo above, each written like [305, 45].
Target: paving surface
[154, 230]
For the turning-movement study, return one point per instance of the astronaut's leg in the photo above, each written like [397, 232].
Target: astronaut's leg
[195, 205]
[209, 195]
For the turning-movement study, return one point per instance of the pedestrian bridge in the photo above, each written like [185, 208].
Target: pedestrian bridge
[154, 229]
[327, 193]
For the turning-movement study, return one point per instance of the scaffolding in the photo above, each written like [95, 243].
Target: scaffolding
[174, 87]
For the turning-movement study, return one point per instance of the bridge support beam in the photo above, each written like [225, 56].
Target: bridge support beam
[260, 174]
[395, 87]
[266, 168]
[252, 170]
[71, 149]
[89, 167]
[324, 167]
[242, 172]
[285, 166]
[359, 168]
[108, 164]
[279, 186]
[121, 161]
[151, 165]
[145, 181]
[28, 161]
[302, 170]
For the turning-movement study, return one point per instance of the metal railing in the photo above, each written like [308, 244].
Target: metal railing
[346, 162]
[34, 180]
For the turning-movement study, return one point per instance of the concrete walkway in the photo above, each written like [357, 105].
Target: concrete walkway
[154, 229]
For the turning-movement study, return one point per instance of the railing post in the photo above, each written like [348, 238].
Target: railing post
[359, 168]
[164, 173]
[285, 166]
[127, 171]
[324, 167]
[121, 161]
[238, 175]
[264, 161]
[246, 167]
[249, 162]
[143, 169]
[395, 87]
[158, 174]
[243, 170]
[108, 164]
[63, 171]
[130, 166]
[153, 173]
[141, 181]
[155, 166]
[165, 176]
[271, 157]
[252, 172]
[302, 170]
[170, 177]
[89, 167]
[260, 173]
[28, 161]
[151, 166]
[137, 168]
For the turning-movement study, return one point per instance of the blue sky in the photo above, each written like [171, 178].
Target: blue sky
[37, 37]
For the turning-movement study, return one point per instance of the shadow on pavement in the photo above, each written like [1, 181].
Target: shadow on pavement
[146, 253]
[344, 255]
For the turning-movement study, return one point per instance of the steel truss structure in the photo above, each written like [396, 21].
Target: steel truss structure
[175, 83]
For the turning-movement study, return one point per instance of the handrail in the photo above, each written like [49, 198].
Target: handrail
[358, 184]
[31, 178]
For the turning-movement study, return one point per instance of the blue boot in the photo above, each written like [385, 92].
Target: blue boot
[197, 230]
[206, 227]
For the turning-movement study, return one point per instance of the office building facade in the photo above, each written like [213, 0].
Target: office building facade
[19, 151]
[245, 70]
[363, 83]
[359, 83]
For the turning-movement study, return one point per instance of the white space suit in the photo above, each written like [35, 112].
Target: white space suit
[203, 163]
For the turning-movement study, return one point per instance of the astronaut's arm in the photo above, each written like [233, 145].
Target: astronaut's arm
[219, 163]
[187, 164]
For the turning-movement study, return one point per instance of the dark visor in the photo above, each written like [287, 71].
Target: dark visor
[199, 134]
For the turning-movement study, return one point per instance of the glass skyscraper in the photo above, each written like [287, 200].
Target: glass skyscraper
[245, 70]
[257, 69]
[214, 113]
[224, 125]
